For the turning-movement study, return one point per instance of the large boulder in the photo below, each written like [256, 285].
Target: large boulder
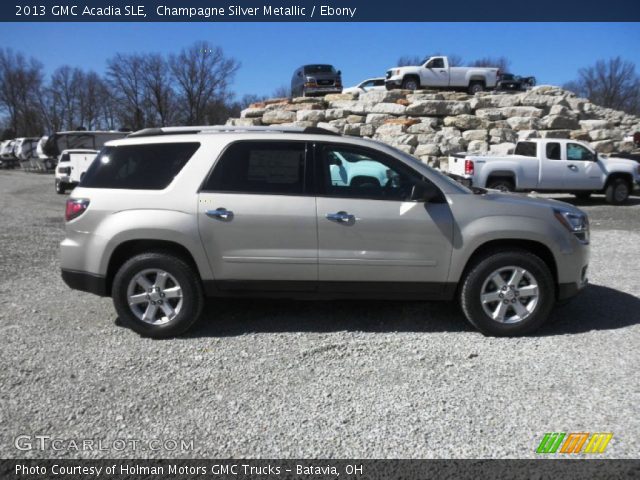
[555, 133]
[521, 112]
[275, 117]
[383, 96]
[438, 108]
[554, 122]
[523, 123]
[334, 113]
[465, 122]
[474, 135]
[310, 116]
[501, 149]
[604, 146]
[390, 108]
[428, 149]
[604, 134]
[491, 114]
[335, 97]
[494, 101]
[244, 122]
[477, 146]
[377, 119]
[252, 112]
[503, 135]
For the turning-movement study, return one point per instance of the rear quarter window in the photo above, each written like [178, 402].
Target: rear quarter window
[138, 167]
[526, 149]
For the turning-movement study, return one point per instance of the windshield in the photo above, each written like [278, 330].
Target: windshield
[310, 69]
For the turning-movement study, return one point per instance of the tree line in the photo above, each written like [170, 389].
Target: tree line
[190, 87]
[193, 87]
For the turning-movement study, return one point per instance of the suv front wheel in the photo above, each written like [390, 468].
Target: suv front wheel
[157, 295]
[508, 293]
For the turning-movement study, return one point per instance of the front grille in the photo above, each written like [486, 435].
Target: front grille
[325, 82]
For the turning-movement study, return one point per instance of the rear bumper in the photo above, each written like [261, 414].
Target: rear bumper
[467, 182]
[86, 282]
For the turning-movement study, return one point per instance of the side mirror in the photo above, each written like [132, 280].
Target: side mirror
[299, 74]
[424, 192]
[339, 72]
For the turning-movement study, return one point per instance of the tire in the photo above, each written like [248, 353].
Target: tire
[476, 87]
[410, 83]
[583, 195]
[617, 191]
[502, 184]
[523, 313]
[180, 293]
[61, 187]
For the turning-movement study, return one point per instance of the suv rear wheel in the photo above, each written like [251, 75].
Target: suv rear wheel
[157, 295]
[61, 187]
[508, 293]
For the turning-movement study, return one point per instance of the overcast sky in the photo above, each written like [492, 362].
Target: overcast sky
[269, 52]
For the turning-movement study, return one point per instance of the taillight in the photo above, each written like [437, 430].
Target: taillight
[75, 207]
[468, 167]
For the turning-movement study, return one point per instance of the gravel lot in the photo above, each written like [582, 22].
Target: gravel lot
[278, 379]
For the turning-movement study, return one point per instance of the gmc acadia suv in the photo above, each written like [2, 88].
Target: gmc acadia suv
[168, 216]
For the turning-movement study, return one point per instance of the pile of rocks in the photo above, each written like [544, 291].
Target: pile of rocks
[432, 124]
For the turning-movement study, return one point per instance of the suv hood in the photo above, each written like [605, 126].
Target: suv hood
[517, 200]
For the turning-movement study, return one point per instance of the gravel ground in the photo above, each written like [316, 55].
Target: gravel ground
[278, 379]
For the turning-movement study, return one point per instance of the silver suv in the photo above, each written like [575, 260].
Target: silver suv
[168, 216]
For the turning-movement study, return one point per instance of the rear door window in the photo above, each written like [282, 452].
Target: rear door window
[553, 151]
[138, 167]
[257, 167]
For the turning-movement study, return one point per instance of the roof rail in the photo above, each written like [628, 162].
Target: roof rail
[151, 132]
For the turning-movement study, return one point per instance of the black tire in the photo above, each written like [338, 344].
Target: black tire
[479, 274]
[582, 195]
[617, 191]
[502, 184]
[187, 279]
[410, 83]
[61, 187]
[476, 87]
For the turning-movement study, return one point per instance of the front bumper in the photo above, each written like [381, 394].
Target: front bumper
[86, 282]
[392, 83]
[321, 90]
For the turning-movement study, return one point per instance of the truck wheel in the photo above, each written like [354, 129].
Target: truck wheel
[617, 191]
[583, 195]
[410, 83]
[508, 293]
[475, 87]
[157, 295]
[502, 184]
[61, 188]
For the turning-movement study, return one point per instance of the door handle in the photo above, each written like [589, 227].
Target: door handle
[341, 217]
[221, 213]
[572, 167]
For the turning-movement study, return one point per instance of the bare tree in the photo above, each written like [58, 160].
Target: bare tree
[158, 84]
[283, 91]
[613, 83]
[203, 75]
[20, 87]
[125, 73]
[497, 62]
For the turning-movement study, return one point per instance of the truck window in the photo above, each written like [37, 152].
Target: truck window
[576, 151]
[526, 149]
[436, 63]
[553, 151]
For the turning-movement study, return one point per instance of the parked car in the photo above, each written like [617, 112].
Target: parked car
[551, 165]
[367, 86]
[509, 81]
[47, 161]
[316, 79]
[71, 168]
[167, 216]
[436, 73]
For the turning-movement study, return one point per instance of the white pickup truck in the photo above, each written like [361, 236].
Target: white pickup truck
[550, 165]
[437, 73]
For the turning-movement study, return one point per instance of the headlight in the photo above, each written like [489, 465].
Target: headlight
[576, 223]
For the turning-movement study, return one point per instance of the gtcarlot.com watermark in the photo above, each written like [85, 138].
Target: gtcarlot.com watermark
[51, 443]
